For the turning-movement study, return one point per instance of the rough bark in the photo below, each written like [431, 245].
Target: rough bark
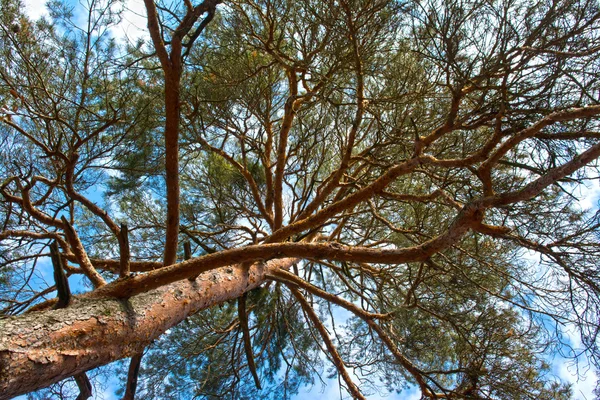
[40, 348]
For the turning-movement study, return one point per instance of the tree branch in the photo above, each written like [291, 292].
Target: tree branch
[243, 317]
[331, 349]
[37, 349]
[81, 256]
[60, 279]
[132, 376]
[84, 385]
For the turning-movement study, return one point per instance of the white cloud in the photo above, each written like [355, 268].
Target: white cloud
[35, 8]
[583, 387]
[133, 24]
[582, 374]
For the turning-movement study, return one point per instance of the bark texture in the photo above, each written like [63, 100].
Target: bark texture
[44, 347]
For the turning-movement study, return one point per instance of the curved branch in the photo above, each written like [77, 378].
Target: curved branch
[335, 356]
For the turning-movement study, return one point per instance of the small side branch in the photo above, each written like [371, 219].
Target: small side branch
[124, 251]
[81, 256]
[207, 249]
[291, 279]
[84, 385]
[132, 376]
[335, 356]
[187, 250]
[62, 283]
[187, 254]
[243, 317]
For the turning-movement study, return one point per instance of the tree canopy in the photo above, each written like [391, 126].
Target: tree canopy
[262, 194]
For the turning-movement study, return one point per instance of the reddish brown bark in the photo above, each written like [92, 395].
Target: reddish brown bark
[40, 348]
[44, 347]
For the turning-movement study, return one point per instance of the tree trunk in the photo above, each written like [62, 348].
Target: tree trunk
[44, 347]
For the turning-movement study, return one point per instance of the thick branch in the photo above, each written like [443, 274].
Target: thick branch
[9, 234]
[155, 35]
[469, 217]
[537, 186]
[114, 265]
[172, 117]
[127, 287]
[40, 348]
